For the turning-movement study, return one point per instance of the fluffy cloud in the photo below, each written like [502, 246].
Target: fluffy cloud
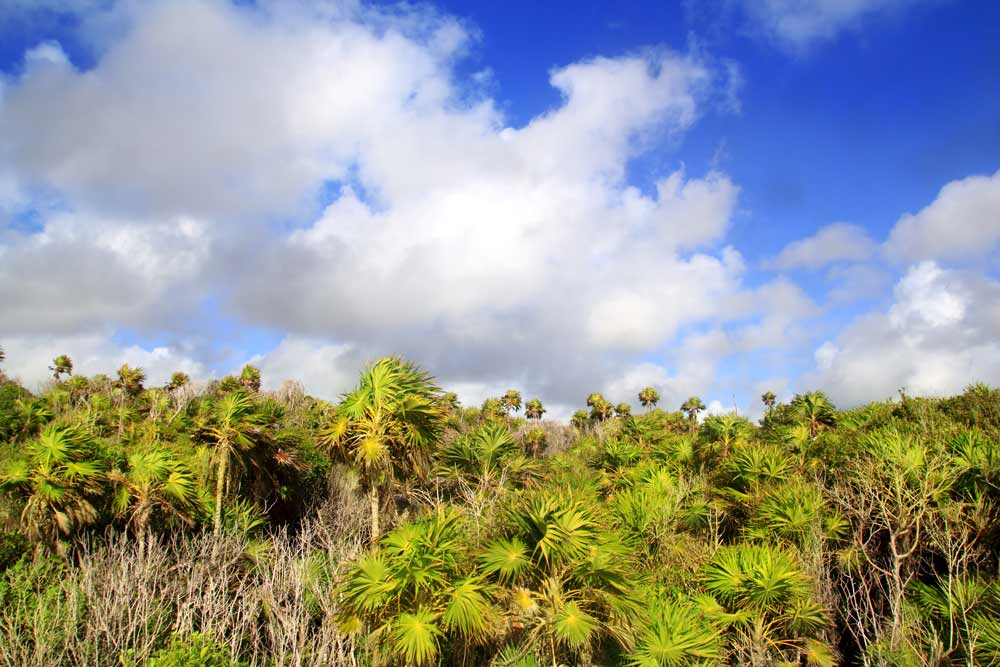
[28, 358]
[800, 23]
[938, 336]
[839, 242]
[962, 223]
[183, 168]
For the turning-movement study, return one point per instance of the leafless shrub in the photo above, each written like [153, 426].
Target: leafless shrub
[275, 604]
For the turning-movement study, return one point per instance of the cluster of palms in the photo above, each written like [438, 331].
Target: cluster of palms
[98, 451]
[813, 537]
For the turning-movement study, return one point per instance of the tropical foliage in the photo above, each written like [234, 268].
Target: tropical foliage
[226, 523]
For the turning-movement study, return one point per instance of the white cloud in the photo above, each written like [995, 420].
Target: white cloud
[931, 341]
[184, 168]
[962, 223]
[839, 242]
[326, 370]
[801, 23]
[29, 358]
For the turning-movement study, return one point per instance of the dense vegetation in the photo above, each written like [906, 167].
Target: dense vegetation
[225, 525]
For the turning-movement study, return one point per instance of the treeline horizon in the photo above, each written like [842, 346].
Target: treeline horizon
[224, 525]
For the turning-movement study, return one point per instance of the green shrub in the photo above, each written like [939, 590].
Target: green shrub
[12, 547]
[195, 650]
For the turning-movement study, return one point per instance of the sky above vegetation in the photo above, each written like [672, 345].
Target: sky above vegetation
[714, 198]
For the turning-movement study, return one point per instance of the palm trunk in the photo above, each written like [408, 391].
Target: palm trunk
[220, 483]
[373, 499]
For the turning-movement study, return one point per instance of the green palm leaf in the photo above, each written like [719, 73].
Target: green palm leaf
[415, 637]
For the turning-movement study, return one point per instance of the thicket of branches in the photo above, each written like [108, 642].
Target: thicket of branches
[225, 525]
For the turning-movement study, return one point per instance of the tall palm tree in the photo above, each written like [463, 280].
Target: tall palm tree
[692, 407]
[153, 483]
[533, 409]
[233, 431]
[61, 365]
[414, 592]
[387, 426]
[565, 577]
[511, 401]
[57, 480]
[30, 414]
[649, 398]
[250, 378]
[815, 411]
[600, 408]
[580, 419]
[769, 596]
[623, 410]
[130, 379]
[768, 399]
[177, 380]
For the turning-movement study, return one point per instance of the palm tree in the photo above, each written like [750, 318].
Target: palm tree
[250, 378]
[56, 480]
[564, 576]
[233, 431]
[533, 409]
[61, 365]
[600, 408]
[130, 379]
[177, 380]
[677, 634]
[815, 411]
[154, 483]
[413, 592]
[387, 426]
[649, 398]
[492, 408]
[768, 399]
[692, 407]
[30, 414]
[725, 430]
[580, 419]
[623, 410]
[483, 456]
[765, 590]
[511, 401]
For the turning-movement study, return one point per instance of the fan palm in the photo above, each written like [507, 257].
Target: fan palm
[57, 480]
[153, 483]
[61, 365]
[649, 397]
[386, 427]
[600, 408]
[768, 399]
[233, 431]
[511, 401]
[815, 411]
[763, 593]
[677, 635]
[692, 407]
[413, 590]
[130, 379]
[177, 380]
[533, 409]
[482, 456]
[565, 575]
[250, 378]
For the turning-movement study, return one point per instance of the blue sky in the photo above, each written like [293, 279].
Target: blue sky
[710, 197]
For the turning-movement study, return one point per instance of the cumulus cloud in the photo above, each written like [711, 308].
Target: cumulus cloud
[28, 358]
[938, 336]
[801, 23]
[962, 223]
[839, 242]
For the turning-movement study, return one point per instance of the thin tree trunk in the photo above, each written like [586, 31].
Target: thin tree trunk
[373, 499]
[220, 482]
